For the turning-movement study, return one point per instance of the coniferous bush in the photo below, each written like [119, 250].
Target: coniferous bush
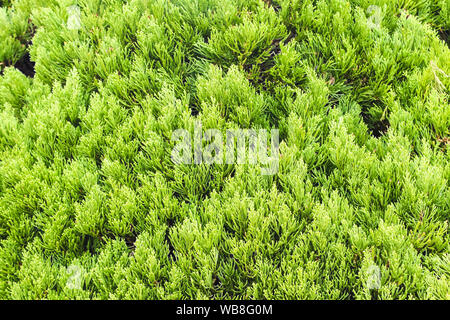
[93, 207]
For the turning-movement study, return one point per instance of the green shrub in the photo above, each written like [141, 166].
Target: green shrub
[93, 207]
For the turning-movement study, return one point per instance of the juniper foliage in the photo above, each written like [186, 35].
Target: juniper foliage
[92, 207]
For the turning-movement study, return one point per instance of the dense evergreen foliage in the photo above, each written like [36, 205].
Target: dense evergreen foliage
[92, 207]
